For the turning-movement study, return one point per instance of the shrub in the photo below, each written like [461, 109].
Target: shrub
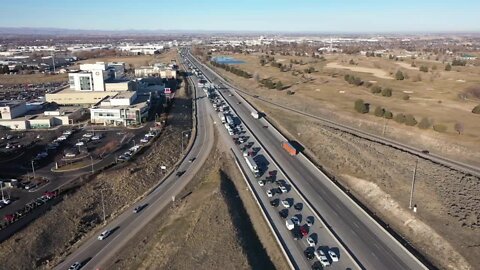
[388, 115]
[410, 120]
[376, 89]
[399, 76]
[448, 67]
[440, 128]
[387, 92]
[476, 110]
[400, 118]
[379, 111]
[459, 127]
[279, 85]
[424, 123]
[424, 68]
[360, 106]
[405, 97]
[368, 84]
[458, 62]
[290, 92]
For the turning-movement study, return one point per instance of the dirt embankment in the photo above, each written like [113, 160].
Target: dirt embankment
[207, 228]
[44, 242]
[447, 225]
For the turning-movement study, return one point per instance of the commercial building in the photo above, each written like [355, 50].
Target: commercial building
[42, 119]
[124, 109]
[157, 70]
[93, 83]
[12, 108]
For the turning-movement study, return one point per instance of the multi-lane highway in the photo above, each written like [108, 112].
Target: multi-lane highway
[365, 239]
[93, 253]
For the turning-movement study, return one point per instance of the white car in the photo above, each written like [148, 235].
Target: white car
[310, 241]
[80, 144]
[67, 132]
[269, 193]
[104, 234]
[333, 255]
[149, 135]
[75, 266]
[286, 204]
[283, 189]
[96, 138]
[62, 138]
[261, 183]
[322, 258]
[88, 135]
[144, 140]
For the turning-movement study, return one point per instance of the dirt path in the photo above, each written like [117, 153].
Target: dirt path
[207, 228]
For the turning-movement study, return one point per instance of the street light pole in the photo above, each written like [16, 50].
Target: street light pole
[182, 136]
[33, 170]
[413, 184]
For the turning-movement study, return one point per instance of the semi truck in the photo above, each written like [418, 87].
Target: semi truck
[289, 148]
[252, 165]
[222, 117]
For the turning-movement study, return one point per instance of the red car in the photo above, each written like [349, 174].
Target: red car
[304, 231]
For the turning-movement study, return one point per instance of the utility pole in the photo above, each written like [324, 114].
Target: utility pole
[413, 183]
[33, 170]
[53, 61]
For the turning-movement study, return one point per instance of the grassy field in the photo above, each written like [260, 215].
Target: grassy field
[433, 95]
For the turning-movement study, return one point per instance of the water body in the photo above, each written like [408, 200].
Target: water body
[227, 60]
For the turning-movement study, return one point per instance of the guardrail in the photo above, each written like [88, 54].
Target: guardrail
[307, 203]
[334, 183]
[262, 208]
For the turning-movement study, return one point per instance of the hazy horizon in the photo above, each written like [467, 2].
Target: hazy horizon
[348, 16]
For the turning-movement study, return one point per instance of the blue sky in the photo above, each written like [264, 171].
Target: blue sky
[259, 15]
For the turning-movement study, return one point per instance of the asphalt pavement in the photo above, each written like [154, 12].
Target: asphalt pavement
[365, 239]
[93, 253]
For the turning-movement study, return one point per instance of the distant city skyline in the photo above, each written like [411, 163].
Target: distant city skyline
[348, 16]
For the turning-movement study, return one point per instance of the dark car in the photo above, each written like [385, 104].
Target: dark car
[317, 266]
[283, 213]
[296, 233]
[179, 173]
[138, 208]
[425, 152]
[309, 253]
[275, 202]
[298, 206]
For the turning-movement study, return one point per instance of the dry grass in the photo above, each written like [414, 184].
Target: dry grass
[325, 93]
[32, 79]
[204, 229]
[379, 73]
[137, 60]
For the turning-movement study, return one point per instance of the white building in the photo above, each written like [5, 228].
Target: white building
[12, 109]
[124, 109]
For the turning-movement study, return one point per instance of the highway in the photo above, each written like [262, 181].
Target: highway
[365, 239]
[93, 253]
[293, 248]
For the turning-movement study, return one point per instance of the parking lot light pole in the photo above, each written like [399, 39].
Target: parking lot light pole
[33, 170]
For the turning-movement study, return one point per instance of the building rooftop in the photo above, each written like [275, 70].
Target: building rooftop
[11, 103]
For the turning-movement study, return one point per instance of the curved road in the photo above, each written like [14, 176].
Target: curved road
[93, 253]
